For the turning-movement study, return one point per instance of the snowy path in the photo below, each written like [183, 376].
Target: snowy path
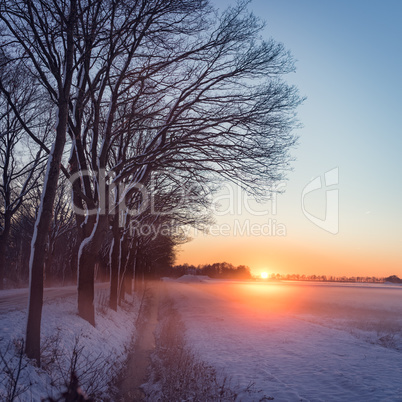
[17, 299]
[139, 358]
[274, 347]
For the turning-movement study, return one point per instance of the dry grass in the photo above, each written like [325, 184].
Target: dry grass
[12, 366]
[73, 372]
[177, 373]
[385, 333]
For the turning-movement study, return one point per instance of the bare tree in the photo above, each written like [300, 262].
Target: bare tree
[219, 110]
[150, 226]
[20, 161]
[62, 233]
[118, 45]
[18, 250]
[40, 33]
[180, 95]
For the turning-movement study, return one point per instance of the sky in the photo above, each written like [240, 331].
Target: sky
[341, 211]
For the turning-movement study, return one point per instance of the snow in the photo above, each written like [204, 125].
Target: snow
[297, 341]
[103, 347]
[193, 278]
[291, 341]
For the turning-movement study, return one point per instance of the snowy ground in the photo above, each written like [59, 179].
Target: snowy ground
[297, 341]
[100, 352]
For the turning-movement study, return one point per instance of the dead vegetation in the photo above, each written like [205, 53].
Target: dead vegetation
[12, 368]
[177, 373]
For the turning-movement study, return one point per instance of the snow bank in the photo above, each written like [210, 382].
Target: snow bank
[64, 335]
[193, 279]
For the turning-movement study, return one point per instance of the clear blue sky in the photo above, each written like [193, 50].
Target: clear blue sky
[349, 66]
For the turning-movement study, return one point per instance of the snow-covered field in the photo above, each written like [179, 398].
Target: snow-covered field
[288, 341]
[97, 353]
[297, 341]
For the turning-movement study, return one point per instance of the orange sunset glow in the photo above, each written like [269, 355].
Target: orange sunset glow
[289, 255]
[340, 207]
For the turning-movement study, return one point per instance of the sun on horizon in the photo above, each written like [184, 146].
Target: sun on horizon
[264, 275]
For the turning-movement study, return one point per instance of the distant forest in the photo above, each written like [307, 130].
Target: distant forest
[219, 270]
[331, 278]
[225, 270]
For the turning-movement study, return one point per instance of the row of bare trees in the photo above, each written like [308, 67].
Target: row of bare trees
[219, 270]
[141, 105]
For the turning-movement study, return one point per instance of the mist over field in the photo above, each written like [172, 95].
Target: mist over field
[296, 341]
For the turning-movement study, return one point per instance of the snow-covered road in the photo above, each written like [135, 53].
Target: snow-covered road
[298, 342]
[17, 299]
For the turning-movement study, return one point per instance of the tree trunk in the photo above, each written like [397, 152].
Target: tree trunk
[2, 261]
[39, 238]
[125, 264]
[73, 263]
[49, 259]
[87, 258]
[45, 213]
[3, 247]
[139, 274]
[86, 280]
[38, 245]
[114, 266]
[128, 287]
[133, 265]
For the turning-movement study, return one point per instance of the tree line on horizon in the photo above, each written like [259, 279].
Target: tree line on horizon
[118, 120]
[225, 270]
[218, 270]
[332, 278]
